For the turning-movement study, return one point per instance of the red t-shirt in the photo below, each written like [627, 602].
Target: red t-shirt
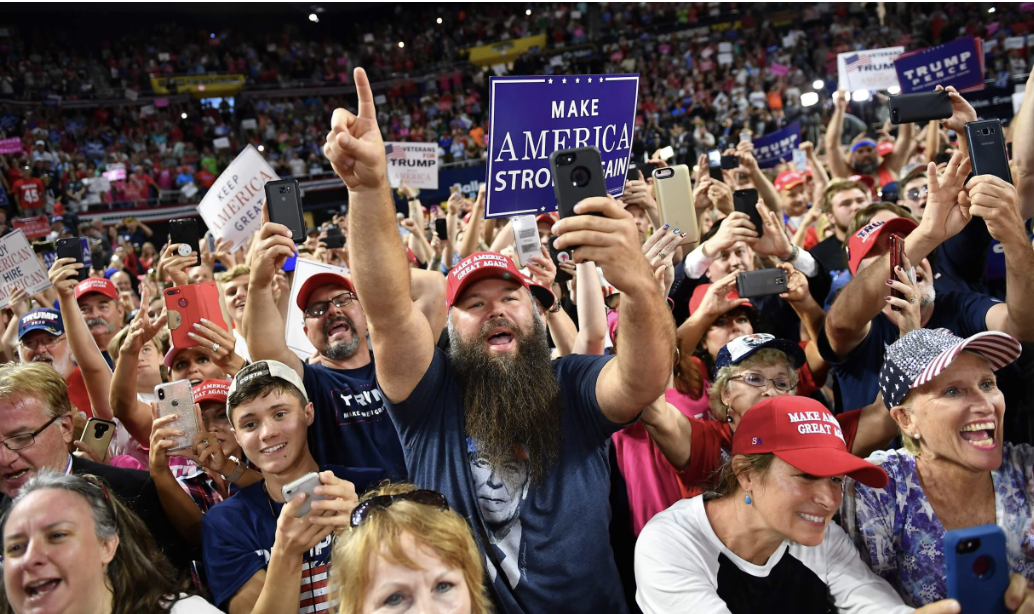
[30, 192]
[77, 393]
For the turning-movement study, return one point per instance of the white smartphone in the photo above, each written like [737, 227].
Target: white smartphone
[177, 398]
[800, 160]
[666, 153]
[526, 237]
[306, 484]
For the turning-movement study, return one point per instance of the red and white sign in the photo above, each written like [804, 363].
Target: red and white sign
[232, 208]
[414, 163]
[19, 267]
[33, 227]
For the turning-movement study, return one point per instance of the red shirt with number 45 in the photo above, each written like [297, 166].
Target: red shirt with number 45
[30, 192]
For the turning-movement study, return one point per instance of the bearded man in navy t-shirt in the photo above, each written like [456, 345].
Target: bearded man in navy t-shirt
[495, 407]
[351, 426]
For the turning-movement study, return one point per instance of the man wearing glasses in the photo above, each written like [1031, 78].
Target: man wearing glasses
[36, 427]
[41, 338]
[350, 427]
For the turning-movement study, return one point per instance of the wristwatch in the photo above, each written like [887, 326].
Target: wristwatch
[236, 474]
[556, 305]
[793, 254]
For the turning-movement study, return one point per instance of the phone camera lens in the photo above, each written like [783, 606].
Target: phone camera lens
[161, 394]
[580, 177]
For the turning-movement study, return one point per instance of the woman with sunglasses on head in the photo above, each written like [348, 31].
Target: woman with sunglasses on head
[763, 540]
[71, 546]
[406, 551]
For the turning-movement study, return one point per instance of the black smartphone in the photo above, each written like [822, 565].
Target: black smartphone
[746, 201]
[335, 239]
[750, 284]
[634, 168]
[577, 175]
[714, 165]
[284, 202]
[730, 162]
[557, 257]
[921, 107]
[73, 248]
[441, 228]
[184, 232]
[986, 143]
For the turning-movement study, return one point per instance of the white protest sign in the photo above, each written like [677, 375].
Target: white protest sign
[1015, 42]
[221, 143]
[872, 69]
[232, 208]
[295, 324]
[249, 124]
[724, 47]
[414, 163]
[19, 267]
[132, 94]
[725, 59]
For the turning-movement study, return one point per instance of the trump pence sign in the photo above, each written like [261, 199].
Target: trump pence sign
[531, 117]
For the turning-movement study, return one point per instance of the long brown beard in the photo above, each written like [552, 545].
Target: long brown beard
[510, 401]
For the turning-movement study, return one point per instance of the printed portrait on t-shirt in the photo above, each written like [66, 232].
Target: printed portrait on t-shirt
[500, 492]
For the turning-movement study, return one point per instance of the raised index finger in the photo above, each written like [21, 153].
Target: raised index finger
[367, 110]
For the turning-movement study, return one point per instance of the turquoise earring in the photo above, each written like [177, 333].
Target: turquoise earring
[748, 499]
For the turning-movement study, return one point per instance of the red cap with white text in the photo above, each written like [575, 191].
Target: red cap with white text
[801, 432]
[95, 284]
[478, 266]
[216, 390]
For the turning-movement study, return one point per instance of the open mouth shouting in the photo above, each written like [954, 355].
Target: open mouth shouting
[15, 479]
[37, 590]
[980, 435]
[338, 326]
[500, 339]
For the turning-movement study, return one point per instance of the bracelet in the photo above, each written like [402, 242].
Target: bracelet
[556, 306]
[236, 474]
[793, 254]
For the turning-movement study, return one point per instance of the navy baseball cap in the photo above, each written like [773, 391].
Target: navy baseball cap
[48, 320]
[743, 347]
[923, 354]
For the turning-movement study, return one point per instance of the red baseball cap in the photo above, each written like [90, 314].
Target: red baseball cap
[478, 266]
[701, 290]
[884, 147]
[865, 239]
[317, 281]
[788, 179]
[801, 432]
[95, 284]
[217, 390]
[548, 218]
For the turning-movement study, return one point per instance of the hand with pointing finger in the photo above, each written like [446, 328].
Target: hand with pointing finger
[354, 145]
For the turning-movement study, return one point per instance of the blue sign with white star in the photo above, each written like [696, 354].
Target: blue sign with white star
[531, 117]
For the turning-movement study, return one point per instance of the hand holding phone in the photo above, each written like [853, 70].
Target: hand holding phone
[284, 204]
[97, 436]
[188, 305]
[73, 248]
[763, 282]
[577, 175]
[526, 237]
[183, 232]
[714, 165]
[177, 398]
[306, 484]
[987, 153]
[977, 568]
[746, 201]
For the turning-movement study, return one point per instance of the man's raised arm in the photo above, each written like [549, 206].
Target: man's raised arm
[402, 340]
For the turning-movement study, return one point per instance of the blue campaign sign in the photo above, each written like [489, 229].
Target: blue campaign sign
[956, 63]
[531, 117]
[778, 146]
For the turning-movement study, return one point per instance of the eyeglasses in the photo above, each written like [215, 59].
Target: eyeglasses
[382, 502]
[757, 380]
[340, 301]
[917, 193]
[25, 440]
[45, 342]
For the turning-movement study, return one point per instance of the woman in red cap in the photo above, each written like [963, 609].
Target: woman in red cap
[763, 541]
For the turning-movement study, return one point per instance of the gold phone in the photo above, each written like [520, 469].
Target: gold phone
[675, 201]
[97, 436]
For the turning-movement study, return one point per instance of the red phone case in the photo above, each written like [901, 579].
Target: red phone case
[187, 305]
[897, 248]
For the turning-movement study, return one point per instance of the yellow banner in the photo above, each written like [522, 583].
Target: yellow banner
[199, 86]
[506, 51]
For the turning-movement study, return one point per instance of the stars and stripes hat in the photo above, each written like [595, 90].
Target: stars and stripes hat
[923, 354]
[743, 347]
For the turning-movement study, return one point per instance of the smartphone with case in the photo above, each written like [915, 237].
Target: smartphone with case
[714, 165]
[184, 233]
[666, 153]
[763, 282]
[897, 250]
[211, 241]
[306, 484]
[73, 248]
[730, 162]
[284, 203]
[675, 201]
[577, 175]
[441, 228]
[97, 436]
[335, 239]
[558, 256]
[986, 142]
[746, 201]
[920, 107]
[800, 161]
[187, 305]
[177, 398]
[526, 238]
[977, 568]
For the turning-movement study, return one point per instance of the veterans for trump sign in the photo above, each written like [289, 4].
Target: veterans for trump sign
[232, 208]
[959, 63]
[531, 117]
[872, 69]
[778, 146]
[19, 268]
[414, 163]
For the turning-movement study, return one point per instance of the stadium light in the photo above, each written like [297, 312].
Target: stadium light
[528, 12]
[809, 99]
[212, 35]
[860, 95]
[893, 90]
[261, 148]
[183, 115]
[991, 10]
[314, 18]
[439, 20]
[818, 84]
[402, 45]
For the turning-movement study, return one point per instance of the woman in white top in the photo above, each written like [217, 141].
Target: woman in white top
[71, 546]
[763, 542]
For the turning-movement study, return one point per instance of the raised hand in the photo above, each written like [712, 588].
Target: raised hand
[961, 111]
[659, 250]
[944, 216]
[995, 201]
[736, 227]
[542, 268]
[354, 145]
[716, 301]
[796, 284]
[907, 317]
[63, 276]
[773, 241]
